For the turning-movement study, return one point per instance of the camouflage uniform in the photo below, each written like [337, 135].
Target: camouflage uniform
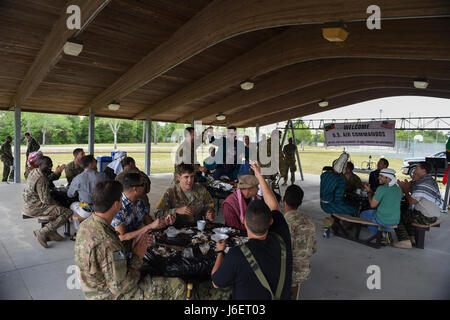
[8, 161]
[289, 151]
[144, 177]
[199, 200]
[32, 145]
[108, 271]
[72, 170]
[37, 201]
[304, 244]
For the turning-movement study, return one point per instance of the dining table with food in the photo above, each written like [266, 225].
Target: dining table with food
[188, 253]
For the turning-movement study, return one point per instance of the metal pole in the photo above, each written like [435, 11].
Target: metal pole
[447, 189]
[298, 155]
[17, 136]
[91, 137]
[148, 146]
[286, 128]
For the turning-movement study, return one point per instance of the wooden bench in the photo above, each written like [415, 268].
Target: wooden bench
[420, 232]
[339, 230]
[43, 220]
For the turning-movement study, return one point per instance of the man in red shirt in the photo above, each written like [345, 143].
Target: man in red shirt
[235, 204]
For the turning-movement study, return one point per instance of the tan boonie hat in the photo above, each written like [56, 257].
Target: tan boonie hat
[247, 181]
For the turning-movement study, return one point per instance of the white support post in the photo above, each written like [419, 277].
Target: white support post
[91, 136]
[148, 146]
[17, 136]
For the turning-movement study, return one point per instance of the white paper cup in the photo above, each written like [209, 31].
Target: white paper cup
[201, 224]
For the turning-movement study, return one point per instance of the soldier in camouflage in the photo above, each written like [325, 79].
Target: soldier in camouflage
[289, 152]
[303, 236]
[186, 201]
[74, 167]
[7, 159]
[107, 270]
[37, 201]
[32, 144]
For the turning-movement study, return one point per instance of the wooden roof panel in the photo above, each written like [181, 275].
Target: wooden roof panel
[126, 33]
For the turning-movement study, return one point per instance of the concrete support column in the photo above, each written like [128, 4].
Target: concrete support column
[17, 136]
[91, 136]
[148, 145]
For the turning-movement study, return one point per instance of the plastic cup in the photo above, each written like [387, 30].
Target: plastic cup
[201, 224]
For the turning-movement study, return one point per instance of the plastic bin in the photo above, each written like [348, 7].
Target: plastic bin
[102, 162]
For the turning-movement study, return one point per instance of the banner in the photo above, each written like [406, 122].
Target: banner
[372, 133]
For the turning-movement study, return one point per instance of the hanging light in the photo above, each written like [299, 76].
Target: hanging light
[73, 47]
[114, 106]
[335, 31]
[323, 103]
[220, 117]
[247, 85]
[421, 83]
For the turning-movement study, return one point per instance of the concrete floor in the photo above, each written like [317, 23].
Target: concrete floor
[28, 271]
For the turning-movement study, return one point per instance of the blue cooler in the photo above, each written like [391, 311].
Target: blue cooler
[103, 161]
[113, 153]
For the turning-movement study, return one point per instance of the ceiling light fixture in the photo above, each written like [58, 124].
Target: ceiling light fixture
[421, 83]
[114, 106]
[335, 31]
[323, 103]
[220, 117]
[73, 47]
[247, 85]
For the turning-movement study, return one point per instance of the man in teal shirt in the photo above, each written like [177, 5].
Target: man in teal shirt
[385, 202]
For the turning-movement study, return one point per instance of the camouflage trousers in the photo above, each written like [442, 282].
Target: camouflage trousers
[405, 229]
[285, 173]
[206, 291]
[59, 216]
[160, 288]
[7, 171]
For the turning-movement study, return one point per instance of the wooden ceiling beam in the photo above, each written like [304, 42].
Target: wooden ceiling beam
[51, 50]
[223, 19]
[345, 99]
[309, 73]
[409, 39]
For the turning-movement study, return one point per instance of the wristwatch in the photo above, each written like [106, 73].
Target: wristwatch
[221, 251]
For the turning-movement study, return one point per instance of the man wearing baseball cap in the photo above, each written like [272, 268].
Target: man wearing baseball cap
[385, 202]
[235, 204]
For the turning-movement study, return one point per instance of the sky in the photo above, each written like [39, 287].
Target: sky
[392, 107]
[395, 107]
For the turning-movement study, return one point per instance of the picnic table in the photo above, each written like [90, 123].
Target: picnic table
[180, 256]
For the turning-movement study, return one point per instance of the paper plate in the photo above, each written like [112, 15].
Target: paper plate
[222, 230]
[218, 236]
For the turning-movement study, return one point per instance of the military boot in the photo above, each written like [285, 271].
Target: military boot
[41, 236]
[55, 236]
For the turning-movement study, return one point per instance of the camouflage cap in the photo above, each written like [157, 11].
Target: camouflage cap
[247, 181]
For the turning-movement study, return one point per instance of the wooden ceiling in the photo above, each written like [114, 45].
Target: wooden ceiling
[177, 60]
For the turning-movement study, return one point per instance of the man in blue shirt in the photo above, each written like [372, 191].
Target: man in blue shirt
[210, 162]
[133, 218]
[83, 185]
